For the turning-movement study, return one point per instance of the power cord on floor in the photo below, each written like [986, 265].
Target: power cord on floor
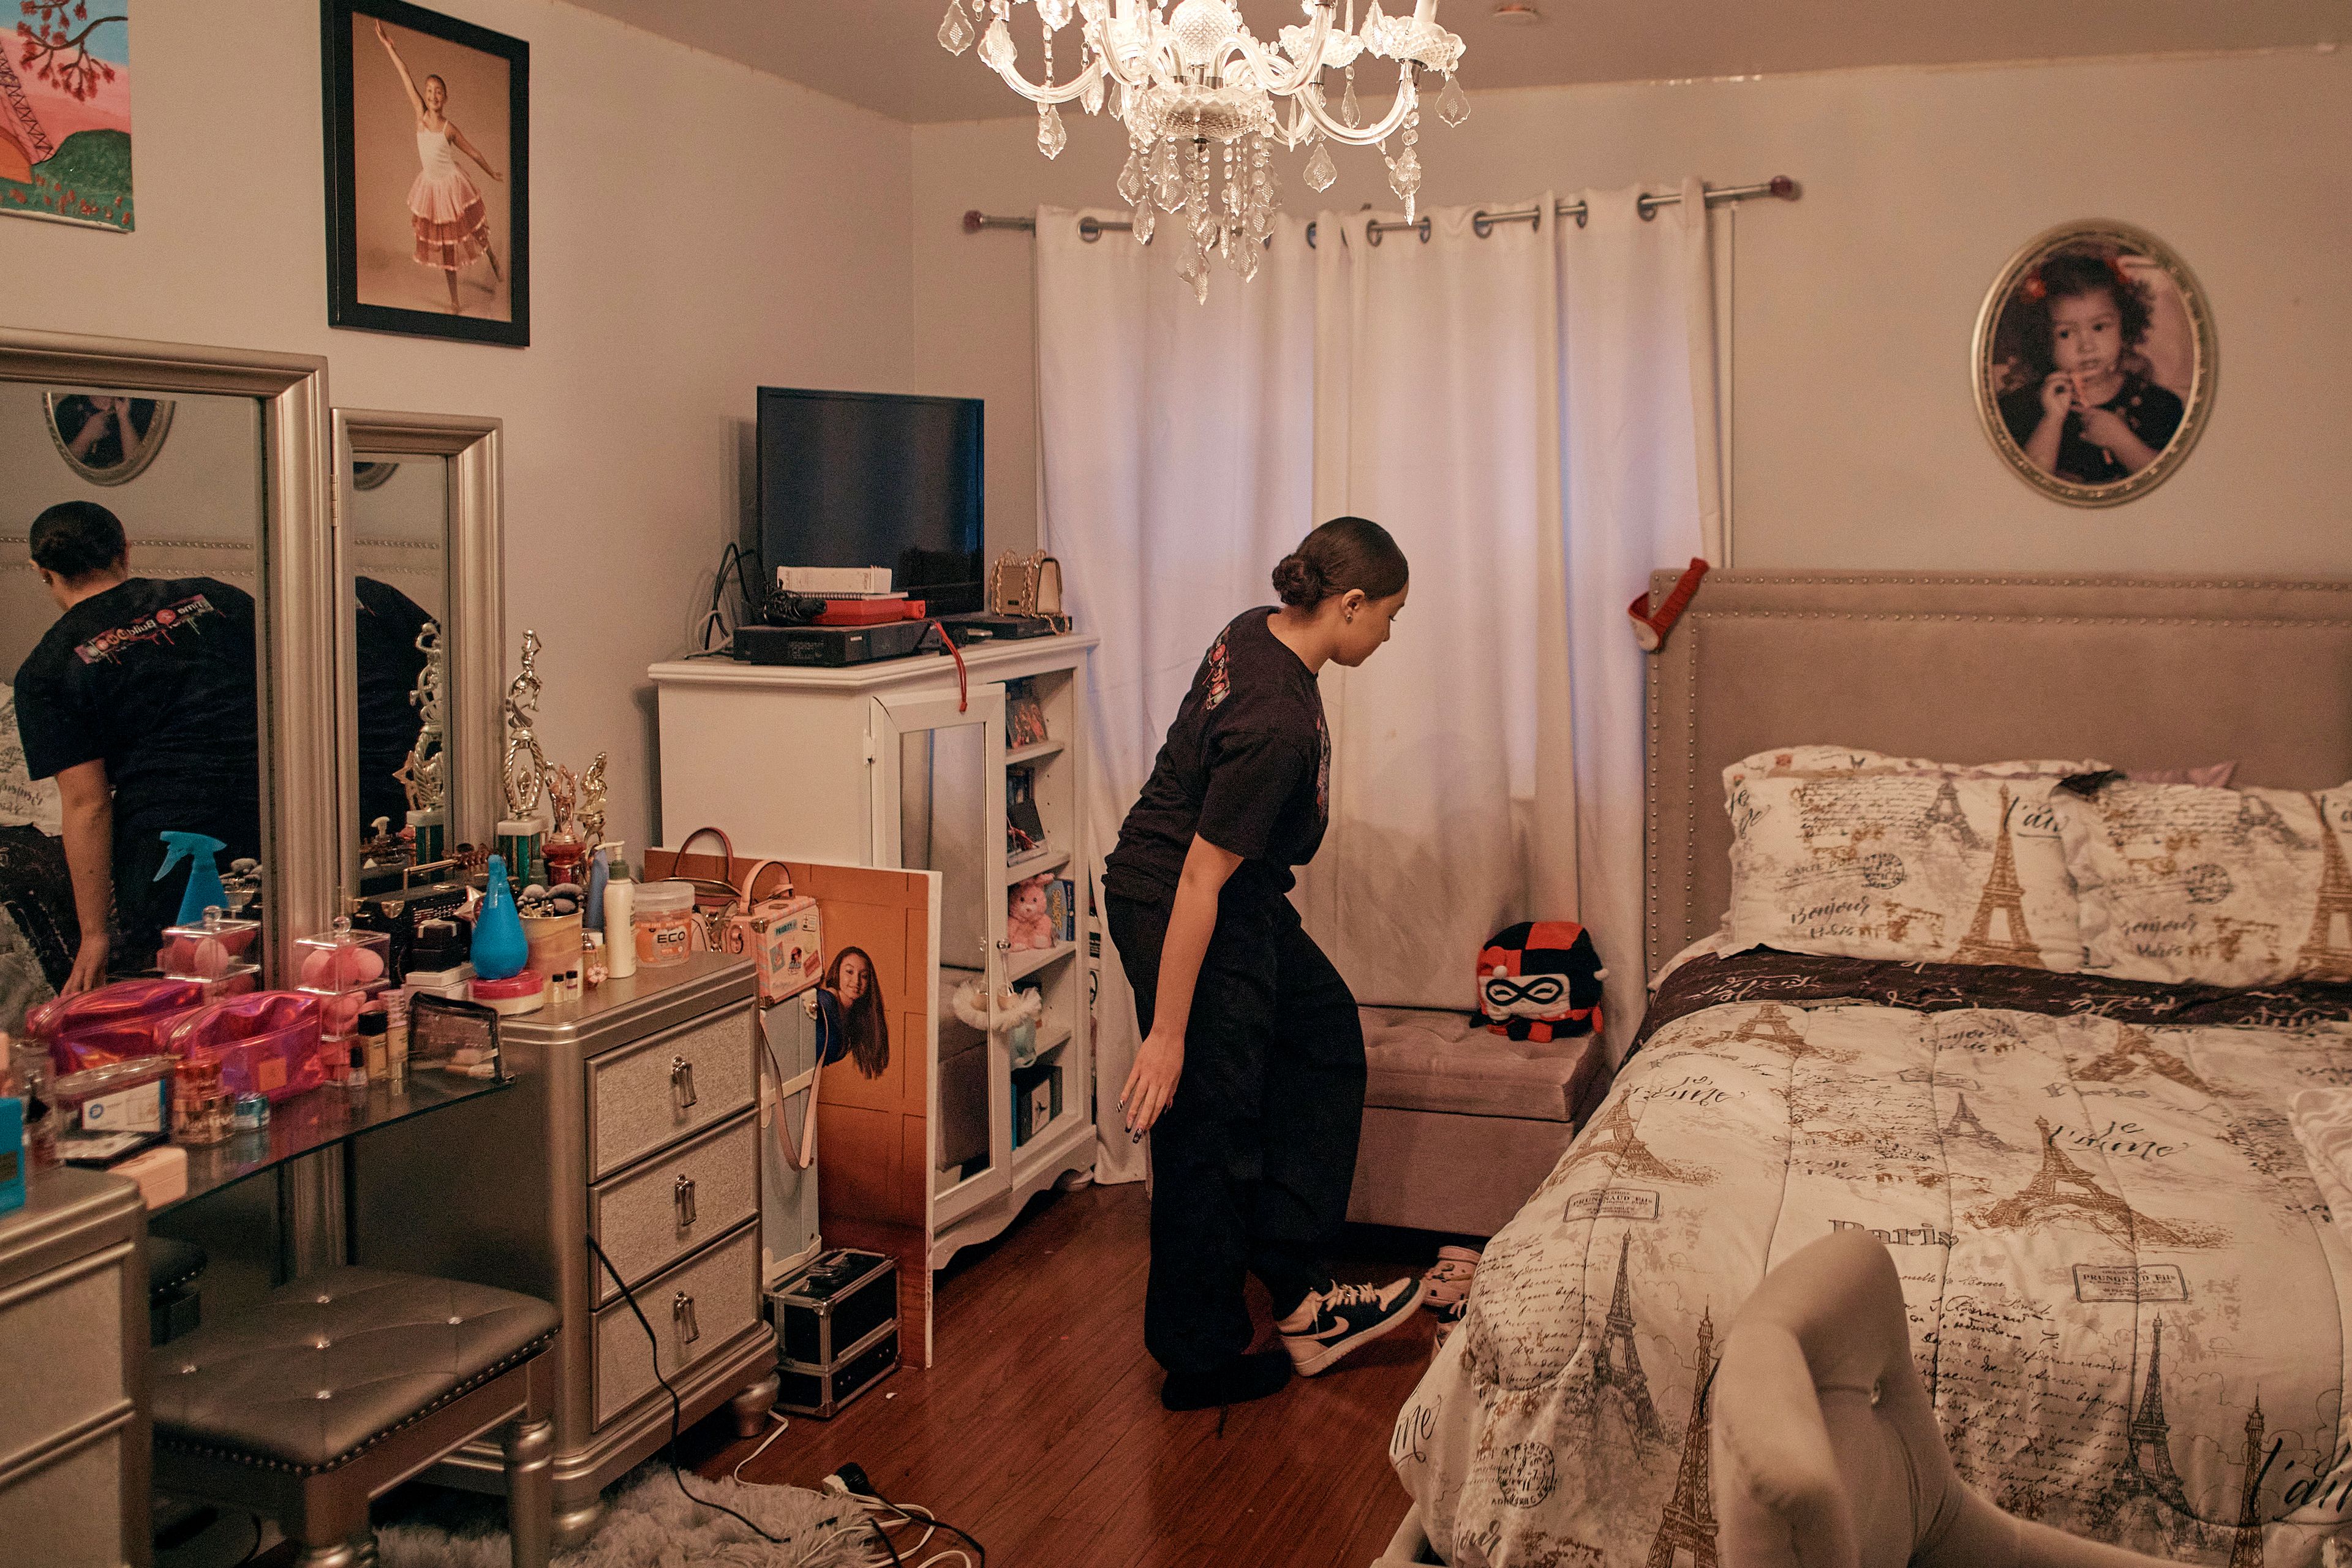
[782, 1427]
[677, 1409]
[850, 1482]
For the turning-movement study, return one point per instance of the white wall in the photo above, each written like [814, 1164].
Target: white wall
[697, 229]
[1857, 441]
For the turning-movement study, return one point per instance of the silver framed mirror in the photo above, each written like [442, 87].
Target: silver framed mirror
[422, 543]
[294, 587]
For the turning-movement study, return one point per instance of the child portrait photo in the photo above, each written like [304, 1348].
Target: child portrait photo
[426, 173]
[2094, 362]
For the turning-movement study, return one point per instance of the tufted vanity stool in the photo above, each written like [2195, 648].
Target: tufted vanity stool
[340, 1386]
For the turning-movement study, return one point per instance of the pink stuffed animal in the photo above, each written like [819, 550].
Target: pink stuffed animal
[1027, 927]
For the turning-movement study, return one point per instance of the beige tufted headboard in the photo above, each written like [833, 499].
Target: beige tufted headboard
[2139, 671]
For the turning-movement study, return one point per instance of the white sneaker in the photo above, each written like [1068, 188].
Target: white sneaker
[1345, 1317]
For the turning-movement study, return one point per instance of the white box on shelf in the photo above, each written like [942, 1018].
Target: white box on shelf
[839, 582]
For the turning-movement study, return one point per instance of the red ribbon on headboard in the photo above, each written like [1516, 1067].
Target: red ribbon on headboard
[1651, 625]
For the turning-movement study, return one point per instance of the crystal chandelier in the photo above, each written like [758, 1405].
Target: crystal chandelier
[1198, 95]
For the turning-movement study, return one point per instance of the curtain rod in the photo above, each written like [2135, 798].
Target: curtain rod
[1780, 186]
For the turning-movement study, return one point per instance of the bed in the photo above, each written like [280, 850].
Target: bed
[2127, 1296]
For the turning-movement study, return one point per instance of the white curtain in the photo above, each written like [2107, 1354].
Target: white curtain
[1532, 414]
[1641, 475]
[1452, 803]
[1177, 467]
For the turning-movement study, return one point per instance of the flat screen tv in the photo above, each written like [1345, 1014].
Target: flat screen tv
[862, 478]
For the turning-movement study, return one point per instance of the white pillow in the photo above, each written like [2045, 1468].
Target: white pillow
[1853, 853]
[2183, 884]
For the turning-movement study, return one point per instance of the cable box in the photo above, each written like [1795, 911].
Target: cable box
[978, 625]
[829, 645]
[837, 1325]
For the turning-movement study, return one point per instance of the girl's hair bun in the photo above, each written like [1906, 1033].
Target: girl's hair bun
[1300, 582]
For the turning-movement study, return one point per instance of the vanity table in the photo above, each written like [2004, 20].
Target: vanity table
[633, 1119]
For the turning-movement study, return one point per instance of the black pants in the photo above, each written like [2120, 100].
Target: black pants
[1252, 1162]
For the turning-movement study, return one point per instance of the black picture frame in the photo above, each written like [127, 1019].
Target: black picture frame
[345, 307]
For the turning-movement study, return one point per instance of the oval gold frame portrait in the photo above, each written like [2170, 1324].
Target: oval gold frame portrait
[150, 444]
[2196, 404]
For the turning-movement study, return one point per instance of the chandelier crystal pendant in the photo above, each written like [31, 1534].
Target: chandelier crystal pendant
[1201, 98]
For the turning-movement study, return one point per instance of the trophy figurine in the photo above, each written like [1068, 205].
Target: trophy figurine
[524, 768]
[564, 849]
[420, 775]
[592, 804]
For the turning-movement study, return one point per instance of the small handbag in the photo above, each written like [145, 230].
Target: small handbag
[1029, 587]
[782, 934]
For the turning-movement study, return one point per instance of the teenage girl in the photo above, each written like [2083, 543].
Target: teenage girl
[452, 227]
[2090, 416]
[1251, 1075]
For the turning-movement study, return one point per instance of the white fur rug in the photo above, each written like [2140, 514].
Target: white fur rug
[652, 1525]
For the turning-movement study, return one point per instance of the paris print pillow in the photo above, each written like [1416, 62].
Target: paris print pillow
[1961, 866]
[2221, 887]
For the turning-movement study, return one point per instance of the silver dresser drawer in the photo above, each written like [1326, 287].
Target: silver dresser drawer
[696, 1309]
[648, 1218]
[649, 1095]
[61, 1340]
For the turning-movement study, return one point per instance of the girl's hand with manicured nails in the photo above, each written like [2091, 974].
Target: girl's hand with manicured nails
[1152, 1081]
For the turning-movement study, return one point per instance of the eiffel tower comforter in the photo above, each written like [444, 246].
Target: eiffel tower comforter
[2127, 1295]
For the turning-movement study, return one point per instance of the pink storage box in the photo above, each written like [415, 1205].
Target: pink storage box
[267, 1043]
[113, 1024]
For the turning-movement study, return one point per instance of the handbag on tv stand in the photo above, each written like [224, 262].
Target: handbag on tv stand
[1025, 600]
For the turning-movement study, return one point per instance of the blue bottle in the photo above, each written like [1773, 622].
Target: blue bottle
[600, 871]
[501, 950]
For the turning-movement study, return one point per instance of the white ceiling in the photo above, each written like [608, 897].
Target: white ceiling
[884, 54]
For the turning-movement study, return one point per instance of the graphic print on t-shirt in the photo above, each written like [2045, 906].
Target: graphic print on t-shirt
[1323, 769]
[1221, 674]
[156, 626]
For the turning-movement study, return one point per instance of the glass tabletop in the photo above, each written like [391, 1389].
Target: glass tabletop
[319, 1120]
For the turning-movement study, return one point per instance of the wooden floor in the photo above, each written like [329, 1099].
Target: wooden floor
[1040, 1430]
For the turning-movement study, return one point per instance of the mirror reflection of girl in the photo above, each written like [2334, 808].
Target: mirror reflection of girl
[1251, 1074]
[851, 1013]
[2090, 416]
[445, 207]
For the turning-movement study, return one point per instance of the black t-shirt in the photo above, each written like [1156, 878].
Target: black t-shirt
[2152, 412]
[156, 678]
[389, 663]
[1247, 767]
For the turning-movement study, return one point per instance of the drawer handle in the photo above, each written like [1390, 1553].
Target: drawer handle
[681, 1311]
[681, 1082]
[682, 1193]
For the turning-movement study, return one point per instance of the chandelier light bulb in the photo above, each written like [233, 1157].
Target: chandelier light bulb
[1204, 99]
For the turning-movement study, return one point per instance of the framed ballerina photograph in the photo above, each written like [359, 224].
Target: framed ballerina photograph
[428, 164]
[2095, 363]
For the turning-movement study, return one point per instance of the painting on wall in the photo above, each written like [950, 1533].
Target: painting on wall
[2095, 363]
[428, 165]
[65, 113]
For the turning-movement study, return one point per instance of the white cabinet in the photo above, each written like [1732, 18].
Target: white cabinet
[905, 765]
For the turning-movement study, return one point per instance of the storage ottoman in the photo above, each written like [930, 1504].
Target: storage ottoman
[1461, 1125]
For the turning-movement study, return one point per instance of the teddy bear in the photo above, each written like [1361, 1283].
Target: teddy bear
[1027, 926]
